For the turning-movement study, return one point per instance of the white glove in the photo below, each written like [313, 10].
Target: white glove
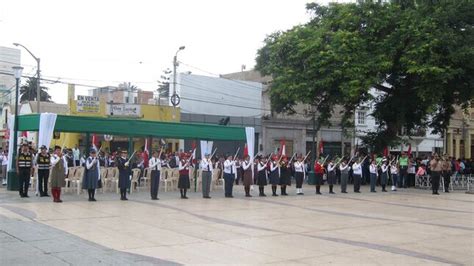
[126, 164]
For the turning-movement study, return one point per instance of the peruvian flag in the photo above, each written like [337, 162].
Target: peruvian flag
[409, 150]
[193, 146]
[385, 151]
[282, 147]
[321, 146]
[95, 142]
[246, 150]
[146, 154]
[24, 134]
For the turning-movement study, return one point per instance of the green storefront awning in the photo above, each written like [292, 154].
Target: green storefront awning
[135, 128]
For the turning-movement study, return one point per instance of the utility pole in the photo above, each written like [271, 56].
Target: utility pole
[175, 98]
[38, 85]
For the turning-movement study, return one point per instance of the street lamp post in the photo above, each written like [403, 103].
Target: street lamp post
[174, 97]
[12, 180]
[38, 88]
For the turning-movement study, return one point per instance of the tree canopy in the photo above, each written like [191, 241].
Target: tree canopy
[28, 92]
[418, 54]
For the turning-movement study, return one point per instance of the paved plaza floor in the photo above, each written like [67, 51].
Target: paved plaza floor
[407, 227]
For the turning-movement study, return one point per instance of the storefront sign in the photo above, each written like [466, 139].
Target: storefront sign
[87, 104]
[124, 110]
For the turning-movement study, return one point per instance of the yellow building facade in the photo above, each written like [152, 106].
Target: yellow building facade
[460, 134]
[101, 108]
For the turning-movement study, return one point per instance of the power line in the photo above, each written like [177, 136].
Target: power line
[222, 93]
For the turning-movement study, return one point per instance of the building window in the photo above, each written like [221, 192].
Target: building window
[361, 118]
[126, 99]
[135, 100]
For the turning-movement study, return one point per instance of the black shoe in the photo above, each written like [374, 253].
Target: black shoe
[343, 191]
[356, 191]
[185, 197]
[384, 190]
[332, 192]
[154, 198]
[90, 199]
[447, 191]
[26, 196]
[248, 196]
[435, 193]
[301, 193]
[93, 199]
[274, 195]
[373, 191]
[125, 198]
[45, 195]
[318, 193]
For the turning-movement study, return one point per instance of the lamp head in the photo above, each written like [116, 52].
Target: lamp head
[17, 71]
[16, 44]
[182, 47]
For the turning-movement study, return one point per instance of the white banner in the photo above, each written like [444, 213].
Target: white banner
[46, 129]
[126, 110]
[250, 134]
[206, 147]
[87, 104]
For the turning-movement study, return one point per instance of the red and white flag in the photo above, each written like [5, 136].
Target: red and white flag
[146, 154]
[321, 146]
[95, 142]
[246, 150]
[282, 147]
[409, 150]
[385, 151]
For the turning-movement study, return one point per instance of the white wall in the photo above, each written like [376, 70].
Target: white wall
[218, 96]
[425, 144]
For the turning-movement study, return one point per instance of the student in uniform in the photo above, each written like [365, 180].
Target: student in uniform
[247, 166]
[91, 174]
[58, 173]
[125, 172]
[154, 165]
[274, 174]
[394, 174]
[183, 182]
[357, 173]
[384, 176]
[229, 175]
[24, 168]
[262, 176]
[207, 169]
[299, 174]
[331, 176]
[373, 175]
[344, 168]
[318, 172]
[285, 175]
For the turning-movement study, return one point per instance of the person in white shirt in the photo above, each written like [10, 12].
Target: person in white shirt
[394, 173]
[247, 166]
[357, 173]
[4, 158]
[384, 177]
[344, 168]
[76, 155]
[373, 175]
[299, 174]
[229, 170]
[331, 176]
[154, 165]
[206, 168]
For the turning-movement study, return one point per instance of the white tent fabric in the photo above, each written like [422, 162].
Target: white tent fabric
[206, 147]
[11, 120]
[46, 129]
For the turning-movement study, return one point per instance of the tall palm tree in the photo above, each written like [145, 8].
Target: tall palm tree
[28, 92]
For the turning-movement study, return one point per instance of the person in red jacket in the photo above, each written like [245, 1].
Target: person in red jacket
[319, 172]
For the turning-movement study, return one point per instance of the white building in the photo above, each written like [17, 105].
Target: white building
[218, 96]
[365, 122]
[9, 57]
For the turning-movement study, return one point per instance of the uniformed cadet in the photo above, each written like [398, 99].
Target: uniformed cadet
[274, 174]
[206, 168]
[285, 175]
[384, 176]
[123, 165]
[344, 168]
[24, 169]
[318, 172]
[373, 175]
[43, 163]
[262, 176]
[331, 176]
[155, 166]
[247, 166]
[183, 182]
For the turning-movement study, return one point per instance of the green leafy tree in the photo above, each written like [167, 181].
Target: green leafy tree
[28, 92]
[164, 84]
[419, 54]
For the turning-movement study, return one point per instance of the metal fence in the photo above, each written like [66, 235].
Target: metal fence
[458, 182]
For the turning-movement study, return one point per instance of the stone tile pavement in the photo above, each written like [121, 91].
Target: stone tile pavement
[407, 227]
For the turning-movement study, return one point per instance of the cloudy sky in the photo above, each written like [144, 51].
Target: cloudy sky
[106, 42]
